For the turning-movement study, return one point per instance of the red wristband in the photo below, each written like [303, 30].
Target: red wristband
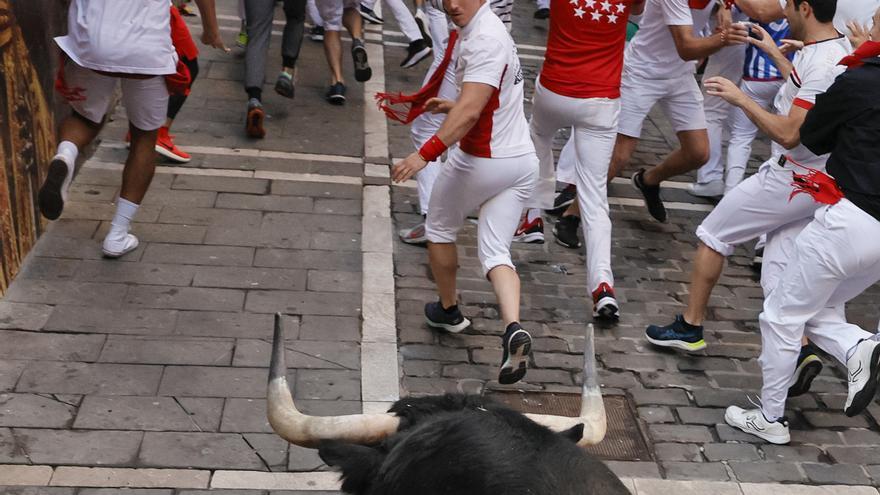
[432, 149]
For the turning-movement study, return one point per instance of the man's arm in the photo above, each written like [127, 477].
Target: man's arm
[691, 47]
[210, 27]
[767, 45]
[761, 10]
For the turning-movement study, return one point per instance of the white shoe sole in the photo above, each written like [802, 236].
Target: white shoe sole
[171, 156]
[514, 368]
[606, 308]
[115, 254]
[677, 344]
[449, 328]
[418, 57]
[774, 439]
[534, 237]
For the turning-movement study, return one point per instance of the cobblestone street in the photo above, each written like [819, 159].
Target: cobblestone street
[149, 372]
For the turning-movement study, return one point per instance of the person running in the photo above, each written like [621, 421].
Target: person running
[579, 86]
[835, 258]
[659, 68]
[109, 44]
[419, 44]
[336, 14]
[492, 166]
[259, 15]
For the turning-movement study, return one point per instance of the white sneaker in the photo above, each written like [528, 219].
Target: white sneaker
[752, 421]
[413, 235]
[711, 189]
[114, 247]
[863, 373]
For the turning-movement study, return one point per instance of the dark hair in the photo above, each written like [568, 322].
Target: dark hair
[823, 9]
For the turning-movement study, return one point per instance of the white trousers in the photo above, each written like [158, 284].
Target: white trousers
[594, 130]
[427, 124]
[743, 131]
[314, 13]
[727, 63]
[835, 259]
[498, 186]
[565, 166]
[403, 15]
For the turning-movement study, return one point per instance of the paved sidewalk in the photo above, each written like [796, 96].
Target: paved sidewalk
[149, 372]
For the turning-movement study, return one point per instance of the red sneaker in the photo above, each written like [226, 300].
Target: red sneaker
[531, 232]
[165, 147]
[604, 303]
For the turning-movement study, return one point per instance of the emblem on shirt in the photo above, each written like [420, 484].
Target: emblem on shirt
[599, 11]
[518, 73]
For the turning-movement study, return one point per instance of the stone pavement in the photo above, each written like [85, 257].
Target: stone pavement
[149, 372]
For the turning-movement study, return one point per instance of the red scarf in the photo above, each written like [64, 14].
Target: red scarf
[821, 186]
[868, 49]
[416, 101]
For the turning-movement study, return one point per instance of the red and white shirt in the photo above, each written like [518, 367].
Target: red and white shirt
[815, 68]
[584, 55]
[124, 36]
[486, 54]
[651, 54]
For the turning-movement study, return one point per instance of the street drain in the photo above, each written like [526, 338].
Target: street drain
[624, 440]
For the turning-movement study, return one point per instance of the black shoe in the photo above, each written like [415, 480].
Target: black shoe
[417, 51]
[758, 260]
[362, 70]
[679, 334]
[566, 231]
[651, 195]
[564, 199]
[316, 33]
[336, 94]
[808, 367]
[370, 16]
[284, 85]
[517, 345]
[542, 14]
[449, 319]
[51, 195]
[421, 18]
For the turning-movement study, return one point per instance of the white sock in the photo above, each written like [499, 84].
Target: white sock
[125, 211]
[532, 214]
[69, 152]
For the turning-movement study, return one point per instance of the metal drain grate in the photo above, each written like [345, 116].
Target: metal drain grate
[624, 440]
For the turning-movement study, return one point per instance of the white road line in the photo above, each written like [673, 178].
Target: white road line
[254, 153]
[258, 480]
[668, 184]
[670, 205]
[241, 174]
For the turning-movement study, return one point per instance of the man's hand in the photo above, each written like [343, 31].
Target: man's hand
[763, 40]
[724, 88]
[406, 169]
[858, 33]
[734, 34]
[439, 105]
[790, 46]
[211, 37]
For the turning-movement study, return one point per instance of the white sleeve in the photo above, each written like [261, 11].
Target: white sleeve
[485, 60]
[676, 13]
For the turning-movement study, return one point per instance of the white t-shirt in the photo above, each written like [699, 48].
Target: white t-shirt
[486, 54]
[651, 54]
[815, 68]
[125, 36]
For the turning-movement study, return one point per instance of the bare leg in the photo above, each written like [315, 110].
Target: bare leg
[79, 130]
[505, 282]
[694, 152]
[573, 209]
[333, 52]
[620, 157]
[140, 165]
[443, 258]
[707, 268]
[353, 22]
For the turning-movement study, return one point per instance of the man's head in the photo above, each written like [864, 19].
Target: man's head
[803, 14]
[462, 11]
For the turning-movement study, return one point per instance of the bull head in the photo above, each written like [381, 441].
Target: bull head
[308, 431]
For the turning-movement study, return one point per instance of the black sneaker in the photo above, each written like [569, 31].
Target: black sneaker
[542, 14]
[758, 259]
[417, 51]
[651, 195]
[336, 94]
[679, 334]
[517, 345]
[362, 70]
[422, 19]
[565, 231]
[449, 319]
[53, 193]
[370, 16]
[284, 84]
[808, 367]
[316, 33]
[564, 199]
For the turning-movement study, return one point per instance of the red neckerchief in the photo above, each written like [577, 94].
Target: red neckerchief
[868, 49]
[416, 101]
[821, 186]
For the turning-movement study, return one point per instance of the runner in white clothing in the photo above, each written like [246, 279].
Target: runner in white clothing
[493, 168]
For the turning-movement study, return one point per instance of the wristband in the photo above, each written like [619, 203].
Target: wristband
[432, 149]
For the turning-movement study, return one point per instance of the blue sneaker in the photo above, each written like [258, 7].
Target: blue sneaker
[808, 368]
[449, 319]
[677, 334]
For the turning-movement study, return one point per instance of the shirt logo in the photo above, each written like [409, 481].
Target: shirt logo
[595, 11]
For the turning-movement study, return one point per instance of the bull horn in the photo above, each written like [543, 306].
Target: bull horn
[592, 407]
[307, 431]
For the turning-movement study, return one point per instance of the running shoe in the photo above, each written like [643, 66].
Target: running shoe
[517, 346]
[53, 193]
[808, 368]
[565, 231]
[449, 319]
[863, 373]
[678, 334]
[651, 195]
[336, 94]
[530, 232]
[185, 10]
[422, 22]
[414, 235]
[542, 14]
[284, 84]
[242, 39]
[369, 15]
[565, 198]
[254, 121]
[753, 422]
[711, 189]
[165, 146]
[417, 51]
[605, 304]
[316, 33]
[115, 247]
[362, 70]
[758, 259]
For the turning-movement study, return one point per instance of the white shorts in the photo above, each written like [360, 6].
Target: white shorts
[498, 186]
[145, 100]
[331, 12]
[680, 98]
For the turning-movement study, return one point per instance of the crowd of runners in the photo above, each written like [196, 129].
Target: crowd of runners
[805, 73]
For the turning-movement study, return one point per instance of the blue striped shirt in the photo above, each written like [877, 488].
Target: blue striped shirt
[758, 66]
